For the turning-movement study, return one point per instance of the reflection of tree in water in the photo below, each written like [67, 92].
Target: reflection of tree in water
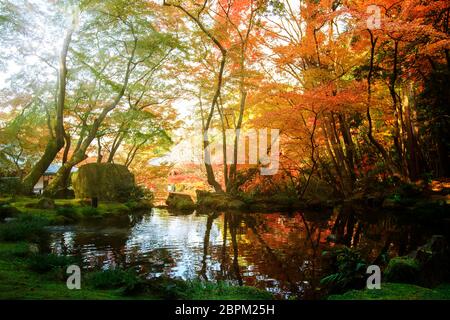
[376, 234]
[274, 255]
[231, 224]
[209, 223]
[99, 247]
[284, 252]
[278, 252]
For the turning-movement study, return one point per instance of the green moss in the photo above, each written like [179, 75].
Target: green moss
[180, 201]
[48, 262]
[27, 227]
[402, 269]
[223, 291]
[68, 211]
[397, 291]
[219, 201]
[14, 249]
[114, 279]
[106, 181]
[18, 282]
[68, 214]
[113, 209]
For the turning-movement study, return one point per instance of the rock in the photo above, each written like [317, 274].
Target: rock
[46, 203]
[180, 201]
[105, 181]
[402, 270]
[218, 201]
[434, 259]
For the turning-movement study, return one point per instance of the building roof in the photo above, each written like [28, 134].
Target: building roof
[54, 167]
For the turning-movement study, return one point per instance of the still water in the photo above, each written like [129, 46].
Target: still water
[278, 252]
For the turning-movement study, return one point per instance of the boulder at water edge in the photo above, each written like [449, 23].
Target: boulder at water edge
[180, 201]
[105, 181]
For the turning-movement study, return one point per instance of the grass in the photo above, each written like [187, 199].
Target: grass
[223, 291]
[397, 291]
[25, 228]
[42, 263]
[18, 282]
[113, 279]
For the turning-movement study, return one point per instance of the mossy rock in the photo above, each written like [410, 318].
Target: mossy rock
[105, 181]
[434, 259]
[180, 201]
[402, 270]
[218, 201]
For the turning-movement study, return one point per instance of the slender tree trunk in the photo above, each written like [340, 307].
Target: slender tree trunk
[66, 147]
[415, 162]
[349, 146]
[224, 145]
[206, 143]
[243, 94]
[378, 146]
[56, 142]
[99, 151]
[209, 169]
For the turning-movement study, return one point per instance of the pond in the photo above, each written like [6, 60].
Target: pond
[278, 252]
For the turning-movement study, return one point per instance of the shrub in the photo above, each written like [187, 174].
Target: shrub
[222, 290]
[25, 228]
[19, 250]
[169, 288]
[350, 270]
[49, 262]
[89, 212]
[10, 185]
[69, 213]
[127, 280]
[7, 210]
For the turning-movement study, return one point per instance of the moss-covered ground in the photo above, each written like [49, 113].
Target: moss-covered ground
[68, 211]
[397, 291]
[19, 281]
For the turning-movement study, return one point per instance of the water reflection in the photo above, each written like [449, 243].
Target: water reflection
[278, 252]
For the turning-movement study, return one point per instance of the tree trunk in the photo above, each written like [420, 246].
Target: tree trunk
[378, 146]
[209, 169]
[56, 142]
[99, 151]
